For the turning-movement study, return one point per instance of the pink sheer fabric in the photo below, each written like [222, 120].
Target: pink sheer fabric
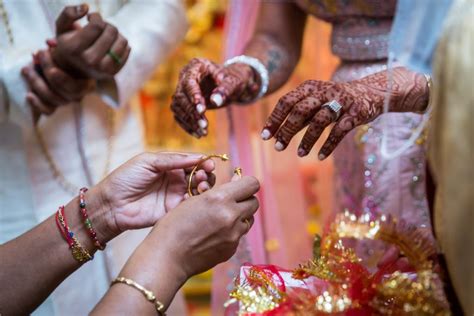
[277, 236]
[367, 182]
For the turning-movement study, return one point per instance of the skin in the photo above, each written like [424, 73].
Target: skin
[135, 195]
[279, 50]
[84, 50]
[76, 58]
[201, 232]
[201, 80]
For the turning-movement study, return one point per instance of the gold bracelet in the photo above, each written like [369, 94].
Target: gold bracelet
[223, 157]
[429, 83]
[160, 308]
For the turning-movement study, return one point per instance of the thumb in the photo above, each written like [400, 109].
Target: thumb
[67, 18]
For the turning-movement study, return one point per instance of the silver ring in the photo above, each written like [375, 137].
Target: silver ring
[334, 107]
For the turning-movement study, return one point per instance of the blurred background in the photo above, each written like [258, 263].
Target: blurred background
[206, 38]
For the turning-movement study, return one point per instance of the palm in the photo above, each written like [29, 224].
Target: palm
[142, 196]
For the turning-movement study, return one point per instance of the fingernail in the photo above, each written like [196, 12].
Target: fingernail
[204, 132]
[200, 108]
[196, 135]
[321, 157]
[265, 134]
[301, 152]
[202, 123]
[217, 99]
[279, 146]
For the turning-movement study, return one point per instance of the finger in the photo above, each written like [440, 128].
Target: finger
[282, 109]
[98, 50]
[67, 18]
[168, 161]
[248, 207]
[297, 119]
[199, 176]
[119, 48]
[203, 187]
[208, 166]
[227, 86]
[211, 179]
[39, 107]
[194, 73]
[245, 225]
[241, 189]
[65, 85]
[183, 109]
[318, 123]
[345, 124]
[90, 33]
[40, 88]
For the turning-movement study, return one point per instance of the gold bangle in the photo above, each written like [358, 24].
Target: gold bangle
[223, 157]
[429, 83]
[149, 295]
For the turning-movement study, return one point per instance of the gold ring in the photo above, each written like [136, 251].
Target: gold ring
[223, 157]
[246, 220]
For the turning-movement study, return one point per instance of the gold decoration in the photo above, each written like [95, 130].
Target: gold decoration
[223, 157]
[400, 293]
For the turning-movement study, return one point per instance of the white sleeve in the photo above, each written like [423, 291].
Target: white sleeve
[153, 29]
[13, 105]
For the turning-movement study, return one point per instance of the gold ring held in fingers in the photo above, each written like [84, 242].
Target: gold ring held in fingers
[223, 157]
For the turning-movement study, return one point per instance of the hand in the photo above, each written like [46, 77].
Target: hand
[205, 230]
[142, 190]
[50, 86]
[205, 85]
[96, 51]
[362, 102]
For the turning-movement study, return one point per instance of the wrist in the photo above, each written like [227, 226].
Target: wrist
[100, 213]
[152, 266]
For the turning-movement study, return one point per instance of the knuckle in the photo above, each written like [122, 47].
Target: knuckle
[90, 59]
[113, 31]
[227, 218]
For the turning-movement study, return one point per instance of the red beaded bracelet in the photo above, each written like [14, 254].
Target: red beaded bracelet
[87, 221]
[78, 252]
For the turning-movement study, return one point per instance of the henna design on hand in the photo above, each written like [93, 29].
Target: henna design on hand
[362, 101]
[205, 85]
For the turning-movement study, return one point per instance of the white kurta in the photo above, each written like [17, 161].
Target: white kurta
[28, 191]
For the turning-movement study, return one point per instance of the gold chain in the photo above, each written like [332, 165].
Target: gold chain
[56, 172]
[6, 22]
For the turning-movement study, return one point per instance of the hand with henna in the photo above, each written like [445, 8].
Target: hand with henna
[205, 85]
[96, 51]
[362, 101]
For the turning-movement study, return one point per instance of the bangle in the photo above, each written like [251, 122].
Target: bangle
[87, 221]
[78, 252]
[258, 67]
[149, 295]
[429, 83]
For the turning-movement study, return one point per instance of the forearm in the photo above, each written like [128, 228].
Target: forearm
[148, 266]
[277, 41]
[35, 263]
